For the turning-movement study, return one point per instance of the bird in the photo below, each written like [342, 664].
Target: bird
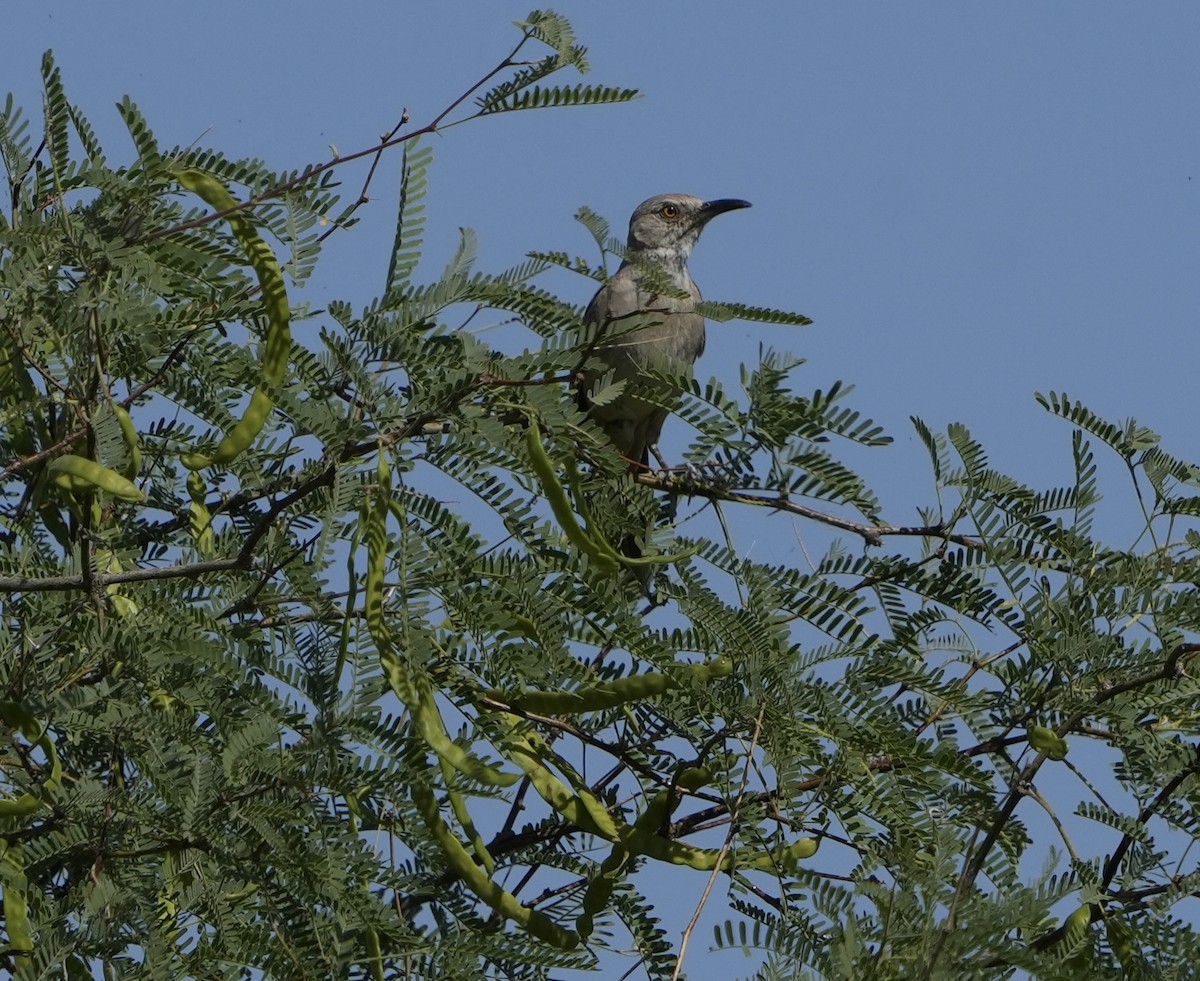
[638, 327]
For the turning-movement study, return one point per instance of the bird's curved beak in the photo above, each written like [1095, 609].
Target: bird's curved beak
[710, 209]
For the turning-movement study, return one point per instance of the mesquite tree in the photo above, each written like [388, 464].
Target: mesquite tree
[274, 700]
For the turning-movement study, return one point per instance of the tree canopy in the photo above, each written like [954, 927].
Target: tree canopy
[317, 658]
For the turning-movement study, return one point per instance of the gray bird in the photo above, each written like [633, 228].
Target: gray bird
[667, 333]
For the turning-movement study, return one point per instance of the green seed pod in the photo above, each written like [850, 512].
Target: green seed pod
[601, 554]
[595, 809]
[458, 804]
[606, 559]
[1077, 937]
[801, 849]
[240, 895]
[427, 720]
[476, 879]
[587, 812]
[162, 700]
[528, 753]
[601, 885]
[1049, 742]
[576, 486]
[718, 667]
[16, 903]
[694, 777]
[654, 846]
[199, 517]
[108, 563]
[19, 718]
[278, 343]
[375, 534]
[79, 475]
[132, 444]
[1078, 921]
[21, 806]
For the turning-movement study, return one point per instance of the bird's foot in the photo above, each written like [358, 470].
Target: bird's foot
[687, 472]
[657, 454]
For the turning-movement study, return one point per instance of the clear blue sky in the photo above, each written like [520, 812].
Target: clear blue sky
[973, 202]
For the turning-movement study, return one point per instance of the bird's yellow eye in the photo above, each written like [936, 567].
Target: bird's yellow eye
[669, 211]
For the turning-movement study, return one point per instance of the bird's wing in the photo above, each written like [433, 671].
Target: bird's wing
[640, 330]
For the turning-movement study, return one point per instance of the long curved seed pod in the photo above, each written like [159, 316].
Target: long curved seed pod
[78, 475]
[16, 902]
[591, 542]
[458, 804]
[278, 344]
[428, 722]
[199, 517]
[600, 886]
[17, 716]
[652, 845]
[418, 699]
[478, 881]
[573, 480]
[601, 554]
[374, 950]
[132, 444]
[549, 787]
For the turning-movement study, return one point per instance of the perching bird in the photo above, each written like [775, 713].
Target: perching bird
[669, 334]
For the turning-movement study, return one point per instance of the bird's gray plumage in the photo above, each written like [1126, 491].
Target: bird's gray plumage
[641, 328]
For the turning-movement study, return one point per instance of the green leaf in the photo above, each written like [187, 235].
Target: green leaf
[722, 312]
[410, 215]
[57, 114]
[556, 96]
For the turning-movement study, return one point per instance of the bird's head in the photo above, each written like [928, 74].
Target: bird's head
[670, 224]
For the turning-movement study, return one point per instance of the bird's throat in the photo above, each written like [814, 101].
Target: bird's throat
[673, 262]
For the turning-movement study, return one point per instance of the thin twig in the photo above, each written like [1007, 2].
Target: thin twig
[871, 534]
[712, 879]
[316, 170]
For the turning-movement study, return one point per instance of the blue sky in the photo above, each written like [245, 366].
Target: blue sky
[973, 202]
